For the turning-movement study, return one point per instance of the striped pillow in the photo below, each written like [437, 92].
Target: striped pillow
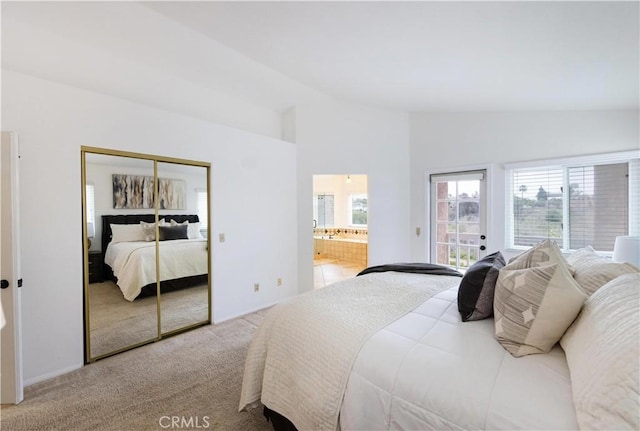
[602, 353]
[536, 299]
[593, 271]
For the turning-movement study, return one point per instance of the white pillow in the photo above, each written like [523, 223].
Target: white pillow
[126, 232]
[193, 229]
[602, 348]
[593, 271]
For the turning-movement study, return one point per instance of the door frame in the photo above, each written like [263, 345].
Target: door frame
[489, 181]
[12, 386]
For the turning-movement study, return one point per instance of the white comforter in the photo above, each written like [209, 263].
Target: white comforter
[300, 357]
[428, 370]
[134, 263]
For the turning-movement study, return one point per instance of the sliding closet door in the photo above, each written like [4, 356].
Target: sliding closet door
[121, 309]
[183, 247]
[147, 259]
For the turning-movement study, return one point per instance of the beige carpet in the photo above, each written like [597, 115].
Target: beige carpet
[195, 376]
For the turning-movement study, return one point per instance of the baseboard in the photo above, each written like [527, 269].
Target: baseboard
[244, 313]
[51, 375]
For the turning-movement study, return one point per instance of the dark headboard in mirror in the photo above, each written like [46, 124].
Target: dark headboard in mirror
[108, 220]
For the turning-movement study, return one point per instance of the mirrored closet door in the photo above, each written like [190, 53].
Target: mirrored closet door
[146, 249]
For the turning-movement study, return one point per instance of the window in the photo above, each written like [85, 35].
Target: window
[203, 208]
[323, 210]
[576, 202]
[91, 204]
[358, 209]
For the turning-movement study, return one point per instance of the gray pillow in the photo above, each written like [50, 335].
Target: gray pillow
[168, 233]
[475, 294]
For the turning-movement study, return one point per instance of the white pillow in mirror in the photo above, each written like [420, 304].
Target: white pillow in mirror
[126, 233]
[193, 229]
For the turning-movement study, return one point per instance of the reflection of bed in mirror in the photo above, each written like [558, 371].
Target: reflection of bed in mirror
[132, 263]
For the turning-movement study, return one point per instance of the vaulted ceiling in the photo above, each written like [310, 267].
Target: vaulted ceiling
[409, 56]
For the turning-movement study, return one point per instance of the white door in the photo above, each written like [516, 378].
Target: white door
[11, 391]
[458, 218]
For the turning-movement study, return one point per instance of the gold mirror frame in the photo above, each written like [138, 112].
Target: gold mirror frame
[84, 150]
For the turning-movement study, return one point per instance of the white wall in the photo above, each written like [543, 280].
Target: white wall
[448, 142]
[131, 51]
[53, 121]
[339, 138]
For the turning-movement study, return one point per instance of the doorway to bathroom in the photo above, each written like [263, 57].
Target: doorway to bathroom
[340, 227]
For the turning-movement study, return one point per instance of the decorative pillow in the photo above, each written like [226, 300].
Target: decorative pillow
[126, 233]
[602, 348]
[149, 229]
[534, 306]
[173, 232]
[593, 271]
[193, 229]
[542, 253]
[475, 294]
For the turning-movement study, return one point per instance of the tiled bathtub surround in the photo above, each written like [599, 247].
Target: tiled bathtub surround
[338, 232]
[342, 249]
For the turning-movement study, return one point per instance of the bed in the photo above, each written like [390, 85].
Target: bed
[132, 264]
[319, 362]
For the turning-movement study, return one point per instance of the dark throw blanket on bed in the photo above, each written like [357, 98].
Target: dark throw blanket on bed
[416, 268]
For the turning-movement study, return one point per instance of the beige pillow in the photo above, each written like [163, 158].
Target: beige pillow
[534, 306]
[603, 350]
[542, 253]
[149, 229]
[593, 271]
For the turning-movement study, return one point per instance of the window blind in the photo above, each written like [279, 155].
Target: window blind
[91, 203]
[203, 209]
[576, 204]
[537, 205]
[598, 205]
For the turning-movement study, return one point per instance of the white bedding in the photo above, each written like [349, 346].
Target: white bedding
[134, 263]
[300, 357]
[428, 370]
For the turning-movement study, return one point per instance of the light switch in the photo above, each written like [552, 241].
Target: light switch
[417, 231]
[221, 237]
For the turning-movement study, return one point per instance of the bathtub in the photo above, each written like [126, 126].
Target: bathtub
[348, 249]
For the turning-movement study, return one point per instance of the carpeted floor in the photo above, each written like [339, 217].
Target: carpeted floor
[192, 379]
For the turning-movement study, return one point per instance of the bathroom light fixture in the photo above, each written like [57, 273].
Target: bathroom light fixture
[348, 179]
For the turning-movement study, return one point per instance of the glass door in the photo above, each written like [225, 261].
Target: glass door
[458, 218]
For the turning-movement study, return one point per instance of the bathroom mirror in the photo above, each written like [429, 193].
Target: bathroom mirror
[146, 248]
